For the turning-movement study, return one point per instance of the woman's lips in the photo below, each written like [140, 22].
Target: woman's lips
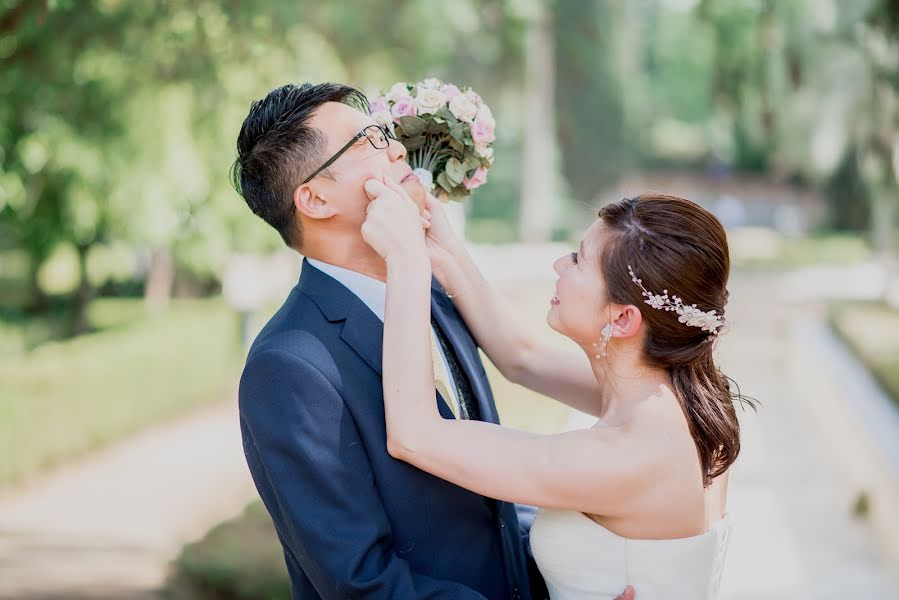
[406, 178]
[554, 301]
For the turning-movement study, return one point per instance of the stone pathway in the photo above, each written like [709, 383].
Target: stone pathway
[108, 525]
[795, 536]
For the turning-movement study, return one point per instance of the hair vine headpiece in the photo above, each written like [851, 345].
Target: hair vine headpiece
[688, 314]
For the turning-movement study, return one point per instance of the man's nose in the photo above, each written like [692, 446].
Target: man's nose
[395, 150]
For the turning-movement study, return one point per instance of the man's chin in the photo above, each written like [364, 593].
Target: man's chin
[416, 191]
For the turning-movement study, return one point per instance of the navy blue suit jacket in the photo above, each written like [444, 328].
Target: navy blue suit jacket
[354, 522]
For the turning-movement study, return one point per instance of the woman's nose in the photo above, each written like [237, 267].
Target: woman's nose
[557, 266]
[395, 150]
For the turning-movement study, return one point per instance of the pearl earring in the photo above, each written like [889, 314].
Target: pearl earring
[606, 336]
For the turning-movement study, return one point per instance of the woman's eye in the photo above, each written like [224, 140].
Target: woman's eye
[574, 257]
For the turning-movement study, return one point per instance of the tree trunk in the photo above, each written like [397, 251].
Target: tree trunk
[884, 241]
[37, 301]
[158, 289]
[539, 194]
[78, 324]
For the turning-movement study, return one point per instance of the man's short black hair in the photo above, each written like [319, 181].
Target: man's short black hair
[277, 149]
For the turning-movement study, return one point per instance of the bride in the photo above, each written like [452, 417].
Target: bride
[638, 498]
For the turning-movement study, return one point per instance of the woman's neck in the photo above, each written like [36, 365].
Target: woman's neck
[626, 381]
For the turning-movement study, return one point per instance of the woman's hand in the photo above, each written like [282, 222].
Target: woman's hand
[393, 226]
[444, 247]
[440, 233]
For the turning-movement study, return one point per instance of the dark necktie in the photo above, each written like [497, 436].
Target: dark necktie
[468, 405]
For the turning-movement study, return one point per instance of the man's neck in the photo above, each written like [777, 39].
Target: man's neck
[354, 255]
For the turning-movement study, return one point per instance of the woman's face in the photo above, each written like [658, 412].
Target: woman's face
[579, 310]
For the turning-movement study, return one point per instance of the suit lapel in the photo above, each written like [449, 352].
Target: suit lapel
[362, 330]
[466, 352]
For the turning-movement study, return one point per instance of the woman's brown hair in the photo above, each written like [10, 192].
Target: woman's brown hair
[674, 244]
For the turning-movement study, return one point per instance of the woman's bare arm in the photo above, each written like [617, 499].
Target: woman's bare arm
[499, 330]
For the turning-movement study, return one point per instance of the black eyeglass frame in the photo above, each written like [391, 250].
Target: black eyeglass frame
[383, 129]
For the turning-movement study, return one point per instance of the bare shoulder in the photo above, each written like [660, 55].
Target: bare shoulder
[657, 431]
[664, 496]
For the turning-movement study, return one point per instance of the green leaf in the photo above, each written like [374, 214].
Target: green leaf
[457, 145]
[471, 161]
[414, 143]
[459, 194]
[458, 131]
[413, 126]
[444, 113]
[443, 182]
[435, 126]
[455, 172]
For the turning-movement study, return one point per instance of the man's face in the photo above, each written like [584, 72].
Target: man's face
[359, 163]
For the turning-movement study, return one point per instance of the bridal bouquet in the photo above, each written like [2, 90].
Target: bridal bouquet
[448, 132]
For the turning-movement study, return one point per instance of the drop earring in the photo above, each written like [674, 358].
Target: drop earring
[606, 336]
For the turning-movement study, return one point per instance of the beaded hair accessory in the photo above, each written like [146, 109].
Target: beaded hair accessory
[688, 314]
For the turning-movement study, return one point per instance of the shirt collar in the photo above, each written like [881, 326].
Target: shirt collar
[372, 292]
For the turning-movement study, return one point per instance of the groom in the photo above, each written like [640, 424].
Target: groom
[353, 522]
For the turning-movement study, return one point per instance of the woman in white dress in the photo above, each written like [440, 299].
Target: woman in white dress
[637, 499]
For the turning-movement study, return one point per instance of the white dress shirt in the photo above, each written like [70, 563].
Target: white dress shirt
[373, 294]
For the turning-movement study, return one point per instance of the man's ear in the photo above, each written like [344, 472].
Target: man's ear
[311, 203]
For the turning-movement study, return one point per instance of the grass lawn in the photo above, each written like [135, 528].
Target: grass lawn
[871, 330]
[242, 559]
[65, 398]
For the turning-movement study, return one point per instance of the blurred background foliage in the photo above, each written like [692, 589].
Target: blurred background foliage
[119, 118]
[118, 123]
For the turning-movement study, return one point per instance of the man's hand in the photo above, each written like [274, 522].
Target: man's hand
[628, 594]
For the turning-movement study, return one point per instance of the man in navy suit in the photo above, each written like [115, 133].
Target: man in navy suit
[355, 523]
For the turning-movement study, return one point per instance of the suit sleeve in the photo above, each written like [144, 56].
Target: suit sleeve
[310, 466]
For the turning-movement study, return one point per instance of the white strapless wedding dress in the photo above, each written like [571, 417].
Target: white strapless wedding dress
[580, 559]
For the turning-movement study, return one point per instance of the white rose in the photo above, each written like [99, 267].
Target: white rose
[463, 108]
[383, 117]
[430, 83]
[398, 90]
[484, 151]
[428, 100]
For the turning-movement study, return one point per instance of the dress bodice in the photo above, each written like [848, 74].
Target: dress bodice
[581, 559]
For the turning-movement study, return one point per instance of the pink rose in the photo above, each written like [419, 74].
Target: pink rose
[486, 115]
[379, 104]
[398, 90]
[473, 97]
[482, 132]
[404, 106]
[478, 178]
[449, 91]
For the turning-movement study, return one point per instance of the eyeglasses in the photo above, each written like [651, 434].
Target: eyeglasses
[378, 136]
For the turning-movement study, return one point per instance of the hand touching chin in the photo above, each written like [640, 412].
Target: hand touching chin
[416, 191]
